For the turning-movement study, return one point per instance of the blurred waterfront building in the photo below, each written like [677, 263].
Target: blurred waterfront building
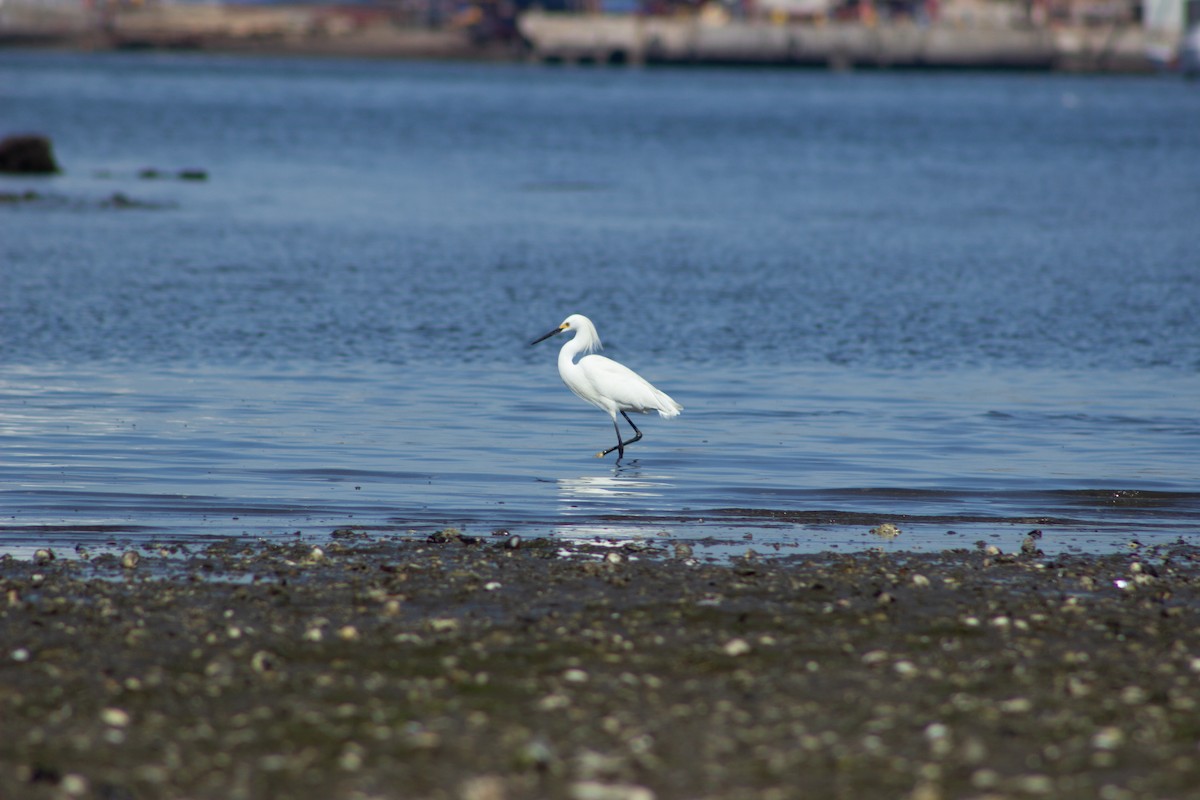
[1088, 28]
[1168, 15]
[32, 20]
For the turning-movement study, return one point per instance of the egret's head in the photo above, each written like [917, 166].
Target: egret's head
[584, 330]
[576, 322]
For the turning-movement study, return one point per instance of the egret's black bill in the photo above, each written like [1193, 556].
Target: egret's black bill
[547, 336]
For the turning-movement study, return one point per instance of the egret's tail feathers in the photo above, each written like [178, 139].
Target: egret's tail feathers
[667, 407]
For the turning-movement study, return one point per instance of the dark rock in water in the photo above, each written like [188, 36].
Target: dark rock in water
[27, 196]
[445, 536]
[153, 174]
[29, 154]
[1029, 545]
[448, 535]
[120, 200]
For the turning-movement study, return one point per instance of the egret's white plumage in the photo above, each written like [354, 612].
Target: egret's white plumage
[609, 386]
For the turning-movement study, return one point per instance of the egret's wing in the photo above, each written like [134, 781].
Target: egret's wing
[630, 391]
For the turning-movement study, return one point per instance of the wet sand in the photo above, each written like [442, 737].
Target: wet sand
[394, 668]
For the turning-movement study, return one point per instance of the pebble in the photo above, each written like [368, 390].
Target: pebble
[116, 717]
[262, 662]
[482, 787]
[1035, 784]
[351, 759]
[885, 531]
[874, 657]
[1109, 738]
[985, 779]
[595, 790]
[130, 559]
[1016, 705]
[736, 647]
[553, 702]
[938, 736]
[1133, 695]
[152, 773]
[74, 785]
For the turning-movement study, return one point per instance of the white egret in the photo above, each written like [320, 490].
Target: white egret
[609, 386]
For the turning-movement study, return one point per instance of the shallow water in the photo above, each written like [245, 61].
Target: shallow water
[963, 304]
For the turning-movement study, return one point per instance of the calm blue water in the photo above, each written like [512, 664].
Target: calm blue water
[965, 304]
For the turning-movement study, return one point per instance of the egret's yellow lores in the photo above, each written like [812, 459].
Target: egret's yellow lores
[609, 386]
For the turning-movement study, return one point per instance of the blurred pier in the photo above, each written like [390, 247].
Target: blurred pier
[836, 44]
[422, 30]
[1078, 35]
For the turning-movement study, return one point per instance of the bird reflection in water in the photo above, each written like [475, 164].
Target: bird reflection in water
[617, 507]
[621, 484]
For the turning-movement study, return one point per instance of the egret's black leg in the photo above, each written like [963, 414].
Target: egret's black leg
[620, 446]
[636, 433]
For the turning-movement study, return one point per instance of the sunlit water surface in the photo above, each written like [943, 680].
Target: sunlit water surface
[965, 305]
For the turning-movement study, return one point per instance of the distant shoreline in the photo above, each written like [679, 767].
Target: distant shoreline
[622, 40]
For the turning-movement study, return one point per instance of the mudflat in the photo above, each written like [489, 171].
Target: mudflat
[491, 668]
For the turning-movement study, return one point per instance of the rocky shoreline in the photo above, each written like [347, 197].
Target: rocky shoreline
[493, 668]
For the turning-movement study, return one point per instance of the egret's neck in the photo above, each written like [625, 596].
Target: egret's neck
[570, 350]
